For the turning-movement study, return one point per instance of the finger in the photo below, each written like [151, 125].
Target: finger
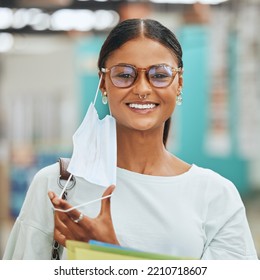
[53, 198]
[58, 202]
[62, 230]
[60, 217]
[62, 225]
[59, 237]
[61, 221]
[75, 216]
[105, 204]
[75, 231]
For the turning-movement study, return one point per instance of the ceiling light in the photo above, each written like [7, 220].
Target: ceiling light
[21, 18]
[66, 19]
[210, 2]
[6, 42]
[105, 19]
[6, 18]
[40, 21]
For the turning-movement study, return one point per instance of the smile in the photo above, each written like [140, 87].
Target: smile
[142, 106]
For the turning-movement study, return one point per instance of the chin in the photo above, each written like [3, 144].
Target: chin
[143, 126]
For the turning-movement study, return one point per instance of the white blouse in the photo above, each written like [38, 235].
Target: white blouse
[198, 214]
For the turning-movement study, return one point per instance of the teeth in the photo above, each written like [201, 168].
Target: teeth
[141, 106]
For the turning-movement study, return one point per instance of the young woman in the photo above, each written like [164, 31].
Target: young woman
[160, 203]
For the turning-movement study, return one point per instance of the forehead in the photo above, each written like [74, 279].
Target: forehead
[142, 52]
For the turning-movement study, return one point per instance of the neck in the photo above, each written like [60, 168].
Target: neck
[141, 151]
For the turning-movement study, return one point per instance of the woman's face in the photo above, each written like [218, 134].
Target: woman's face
[125, 102]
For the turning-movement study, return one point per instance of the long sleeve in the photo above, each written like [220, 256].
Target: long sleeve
[226, 227]
[32, 234]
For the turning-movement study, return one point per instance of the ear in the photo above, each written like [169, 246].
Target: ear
[102, 86]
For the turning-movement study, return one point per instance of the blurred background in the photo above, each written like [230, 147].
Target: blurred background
[48, 77]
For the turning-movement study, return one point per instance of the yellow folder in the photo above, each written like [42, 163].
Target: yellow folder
[94, 250]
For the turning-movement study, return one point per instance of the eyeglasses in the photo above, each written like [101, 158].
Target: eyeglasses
[125, 75]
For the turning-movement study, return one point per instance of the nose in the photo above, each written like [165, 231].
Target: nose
[142, 85]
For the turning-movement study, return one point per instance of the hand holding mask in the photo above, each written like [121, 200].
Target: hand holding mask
[73, 225]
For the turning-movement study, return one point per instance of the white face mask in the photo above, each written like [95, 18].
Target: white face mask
[94, 156]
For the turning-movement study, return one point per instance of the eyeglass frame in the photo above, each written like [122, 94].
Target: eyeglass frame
[146, 70]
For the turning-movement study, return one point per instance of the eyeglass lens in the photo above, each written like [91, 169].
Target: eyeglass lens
[125, 75]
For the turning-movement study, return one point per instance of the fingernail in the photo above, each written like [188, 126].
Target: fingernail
[51, 195]
[56, 201]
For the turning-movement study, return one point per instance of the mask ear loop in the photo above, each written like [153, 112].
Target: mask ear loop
[95, 99]
[65, 187]
[81, 205]
[109, 110]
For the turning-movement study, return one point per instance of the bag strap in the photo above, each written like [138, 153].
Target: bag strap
[64, 175]
[64, 163]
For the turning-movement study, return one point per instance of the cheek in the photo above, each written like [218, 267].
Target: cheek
[170, 109]
[114, 101]
[169, 97]
[169, 102]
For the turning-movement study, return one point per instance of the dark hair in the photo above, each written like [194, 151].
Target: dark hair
[134, 28]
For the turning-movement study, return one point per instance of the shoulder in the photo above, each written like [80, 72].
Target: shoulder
[46, 178]
[208, 176]
[36, 197]
[218, 189]
[47, 172]
[215, 184]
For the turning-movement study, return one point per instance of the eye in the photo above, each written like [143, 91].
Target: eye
[123, 73]
[125, 76]
[160, 72]
[159, 76]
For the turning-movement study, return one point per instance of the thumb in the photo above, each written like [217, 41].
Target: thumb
[105, 203]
